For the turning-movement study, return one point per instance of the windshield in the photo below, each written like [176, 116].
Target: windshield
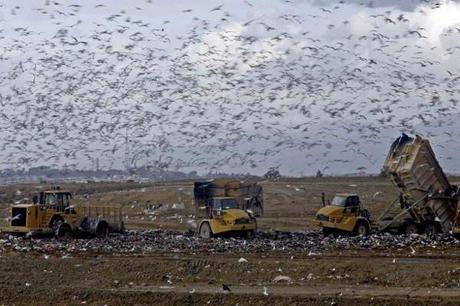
[228, 203]
[339, 201]
[57, 199]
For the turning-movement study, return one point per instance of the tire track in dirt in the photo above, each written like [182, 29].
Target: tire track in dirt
[306, 291]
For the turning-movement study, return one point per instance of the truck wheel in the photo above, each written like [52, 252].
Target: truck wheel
[362, 229]
[64, 232]
[205, 231]
[327, 231]
[102, 230]
[410, 229]
[249, 234]
[431, 229]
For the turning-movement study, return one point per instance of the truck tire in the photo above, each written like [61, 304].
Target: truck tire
[431, 229]
[362, 229]
[410, 228]
[102, 230]
[249, 234]
[205, 230]
[328, 231]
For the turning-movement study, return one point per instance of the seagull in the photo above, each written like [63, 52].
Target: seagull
[216, 8]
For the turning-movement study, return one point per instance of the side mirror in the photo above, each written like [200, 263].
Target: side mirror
[35, 199]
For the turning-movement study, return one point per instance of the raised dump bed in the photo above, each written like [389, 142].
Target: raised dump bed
[426, 194]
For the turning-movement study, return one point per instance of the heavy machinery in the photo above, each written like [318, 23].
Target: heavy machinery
[343, 214]
[456, 227]
[52, 213]
[428, 202]
[227, 206]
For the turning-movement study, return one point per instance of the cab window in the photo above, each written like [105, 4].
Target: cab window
[352, 201]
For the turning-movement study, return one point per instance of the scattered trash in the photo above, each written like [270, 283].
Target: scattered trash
[265, 291]
[282, 278]
[312, 243]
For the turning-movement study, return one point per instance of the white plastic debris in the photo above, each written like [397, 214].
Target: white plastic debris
[265, 291]
[282, 278]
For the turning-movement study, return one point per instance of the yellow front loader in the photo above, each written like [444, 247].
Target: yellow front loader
[52, 213]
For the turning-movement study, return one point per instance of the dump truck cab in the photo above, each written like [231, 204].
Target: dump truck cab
[343, 214]
[52, 213]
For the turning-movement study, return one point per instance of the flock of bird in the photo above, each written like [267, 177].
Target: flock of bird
[233, 86]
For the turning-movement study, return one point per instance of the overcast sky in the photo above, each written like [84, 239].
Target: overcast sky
[227, 85]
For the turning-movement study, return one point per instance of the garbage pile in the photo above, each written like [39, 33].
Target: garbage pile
[167, 241]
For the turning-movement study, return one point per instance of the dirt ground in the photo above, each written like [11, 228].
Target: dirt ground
[422, 273]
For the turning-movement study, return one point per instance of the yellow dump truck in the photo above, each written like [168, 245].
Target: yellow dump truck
[343, 214]
[52, 213]
[227, 207]
[427, 202]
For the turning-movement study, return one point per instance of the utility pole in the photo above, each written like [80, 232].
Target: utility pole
[127, 158]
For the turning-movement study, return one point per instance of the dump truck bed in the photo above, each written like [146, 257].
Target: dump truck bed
[415, 170]
[248, 194]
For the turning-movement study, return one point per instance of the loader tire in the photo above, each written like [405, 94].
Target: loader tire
[64, 232]
[205, 230]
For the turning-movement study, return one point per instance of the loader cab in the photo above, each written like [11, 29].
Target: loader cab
[57, 200]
